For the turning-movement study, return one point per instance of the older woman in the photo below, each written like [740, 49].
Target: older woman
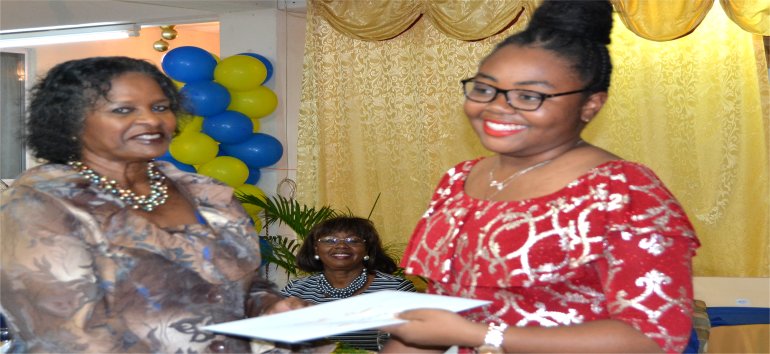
[104, 249]
[347, 257]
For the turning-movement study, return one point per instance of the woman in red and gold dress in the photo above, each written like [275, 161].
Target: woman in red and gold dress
[577, 249]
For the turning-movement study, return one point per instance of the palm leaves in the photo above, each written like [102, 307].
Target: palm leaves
[298, 217]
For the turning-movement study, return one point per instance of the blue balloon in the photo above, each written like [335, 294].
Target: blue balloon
[265, 61]
[260, 150]
[228, 127]
[205, 98]
[254, 175]
[182, 166]
[189, 64]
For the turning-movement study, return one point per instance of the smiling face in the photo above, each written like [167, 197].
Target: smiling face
[558, 121]
[134, 123]
[342, 256]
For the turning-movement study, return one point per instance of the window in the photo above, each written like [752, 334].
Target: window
[13, 78]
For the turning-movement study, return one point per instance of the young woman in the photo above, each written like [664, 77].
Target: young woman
[578, 250]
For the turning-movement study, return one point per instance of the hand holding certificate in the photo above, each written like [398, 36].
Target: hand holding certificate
[351, 314]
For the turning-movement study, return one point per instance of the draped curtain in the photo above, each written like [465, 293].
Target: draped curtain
[381, 112]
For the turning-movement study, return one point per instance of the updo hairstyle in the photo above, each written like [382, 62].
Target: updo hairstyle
[578, 31]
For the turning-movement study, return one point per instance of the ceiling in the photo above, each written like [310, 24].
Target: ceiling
[22, 14]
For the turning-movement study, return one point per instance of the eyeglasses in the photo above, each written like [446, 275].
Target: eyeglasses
[350, 241]
[523, 100]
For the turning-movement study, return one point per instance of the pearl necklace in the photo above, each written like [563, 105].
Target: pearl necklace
[158, 189]
[347, 291]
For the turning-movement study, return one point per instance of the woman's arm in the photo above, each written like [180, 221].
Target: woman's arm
[439, 328]
[50, 289]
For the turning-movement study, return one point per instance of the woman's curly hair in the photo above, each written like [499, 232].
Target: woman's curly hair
[61, 100]
[363, 228]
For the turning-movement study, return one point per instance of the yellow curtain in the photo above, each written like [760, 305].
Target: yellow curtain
[383, 19]
[385, 117]
[695, 110]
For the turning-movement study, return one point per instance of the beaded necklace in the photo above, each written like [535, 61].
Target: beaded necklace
[347, 291]
[158, 189]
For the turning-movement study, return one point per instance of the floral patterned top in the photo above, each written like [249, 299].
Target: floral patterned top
[612, 244]
[81, 273]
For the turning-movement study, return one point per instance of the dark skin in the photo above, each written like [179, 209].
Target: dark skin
[132, 126]
[521, 139]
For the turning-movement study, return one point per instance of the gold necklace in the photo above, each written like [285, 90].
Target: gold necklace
[504, 183]
[500, 185]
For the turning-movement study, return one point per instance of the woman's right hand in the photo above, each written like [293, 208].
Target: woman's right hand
[431, 327]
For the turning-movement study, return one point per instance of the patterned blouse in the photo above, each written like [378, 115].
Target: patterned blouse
[612, 244]
[81, 273]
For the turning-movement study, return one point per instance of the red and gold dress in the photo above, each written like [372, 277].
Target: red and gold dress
[612, 244]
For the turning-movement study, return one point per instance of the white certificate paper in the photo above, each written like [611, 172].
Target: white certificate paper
[345, 315]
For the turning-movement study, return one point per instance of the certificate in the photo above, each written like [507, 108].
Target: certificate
[345, 315]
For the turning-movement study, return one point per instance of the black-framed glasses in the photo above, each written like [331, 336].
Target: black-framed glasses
[523, 100]
[333, 240]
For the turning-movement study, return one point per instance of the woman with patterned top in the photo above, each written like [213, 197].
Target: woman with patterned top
[347, 257]
[577, 249]
[105, 250]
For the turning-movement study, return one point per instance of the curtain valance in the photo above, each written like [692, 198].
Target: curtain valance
[470, 20]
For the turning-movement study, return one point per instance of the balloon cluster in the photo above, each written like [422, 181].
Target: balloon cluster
[226, 99]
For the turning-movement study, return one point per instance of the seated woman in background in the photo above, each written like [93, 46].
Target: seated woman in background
[347, 256]
[103, 249]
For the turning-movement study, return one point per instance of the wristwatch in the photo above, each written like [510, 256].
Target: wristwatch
[493, 341]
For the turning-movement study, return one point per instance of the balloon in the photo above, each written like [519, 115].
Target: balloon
[240, 73]
[226, 169]
[256, 103]
[260, 150]
[250, 189]
[254, 175]
[205, 98]
[264, 61]
[193, 148]
[189, 64]
[182, 166]
[256, 123]
[186, 123]
[251, 209]
[228, 127]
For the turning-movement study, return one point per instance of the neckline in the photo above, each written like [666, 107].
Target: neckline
[551, 195]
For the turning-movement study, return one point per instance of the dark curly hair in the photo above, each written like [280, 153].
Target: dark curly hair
[578, 31]
[364, 228]
[62, 99]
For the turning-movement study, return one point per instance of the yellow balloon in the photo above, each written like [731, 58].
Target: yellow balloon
[256, 103]
[240, 73]
[257, 223]
[187, 123]
[227, 169]
[194, 148]
[250, 189]
[178, 84]
[256, 123]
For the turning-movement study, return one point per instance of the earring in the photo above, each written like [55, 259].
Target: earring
[366, 258]
[317, 257]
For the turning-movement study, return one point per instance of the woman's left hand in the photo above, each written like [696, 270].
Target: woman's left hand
[431, 327]
[287, 304]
